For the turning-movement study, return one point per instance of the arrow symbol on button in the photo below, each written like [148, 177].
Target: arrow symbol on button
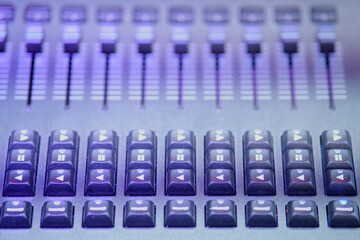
[261, 177]
[336, 137]
[141, 177]
[341, 177]
[180, 137]
[101, 177]
[220, 177]
[181, 177]
[61, 178]
[258, 137]
[63, 137]
[20, 177]
[23, 137]
[102, 137]
[297, 137]
[219, 137]
[301, 177]
[141, 137]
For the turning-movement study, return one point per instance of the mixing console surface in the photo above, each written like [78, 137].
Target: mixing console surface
[190, 120]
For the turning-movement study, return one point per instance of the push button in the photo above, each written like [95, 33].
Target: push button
[60, 182]
[220, 159]
[64, 139]
[102, 159]
[220, 182]
[220, 213]
[24, 139]
[103, 139]
[22, 159]
[180, 182]
[261, 213]
[258, 139]
[180, 213]
[62, 159]
[100, 182]
[219, 139]
[300, 182]
[340, 182]
[184, 139]
[180, 159]
[338, 159]
[140, 182]
[336, 139]
[296, 139]
[141, 139]
[302, 213]
[260, 182]
[298, 159]
[19, 183]
[16, 214]
[141, 159]
[343, 214]
[98, 214]
[259, 159]
[57, 214]
[139, 213]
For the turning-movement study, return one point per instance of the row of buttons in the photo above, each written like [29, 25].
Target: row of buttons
[180, 163]
[179, 213]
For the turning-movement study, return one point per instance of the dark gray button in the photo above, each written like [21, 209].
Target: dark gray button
[298, 159]
[22, 159]
[139, 213]
[57, 214]
[74, 14]
[16, 214]
[261, 213]
[19, 183]
[183, 139]
[180, 182]
[258, 139]
[219, 139]
[300, 182]
[62, 159]
[141, 159]
[98, 214]
[340, 182]
[141, 139]
[110, 15]
[103, 139]
[259, 159]
[100, 182]
[302, 213]
[324, 14]
[336, 139]
[180, 159]
[102, 159]
[64, 139]
[140, 182]
[60, 182]
[287, 15]
[181, 15]
[220, 159]
[343, 214]
[252, 15]
[260, 182]
[338, 159]
[145, 15]
[220, 182]
[24, 139]
[180, 213]
[296, 139]
[220, 213]
[216, 15]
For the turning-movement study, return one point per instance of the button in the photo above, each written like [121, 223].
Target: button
[343, 214]
[220, 213]
[258, 139]
[140, 182]
[260, 182]
[64, 139]
[298, 159]
[139, 213]
[216, 15]
[141, 159]
[73, 14]
[141, 139]
[220, 182]
[181, 15]
[145, 15]
[219, 139]
[340, 182]
[323, 14]
[296, 139]
[300, 182]
[102, 159]
[60, 182]
[16, 214]
[287, 15]
[180, 213]
[100, 182]
[339, 139]
[261, 213]
[98, 214]
[22, 159]
[24, 139]
[57, 214]
[6, 13]
[180, 182]
[338, 159]
[110, 15]
[103, 139]
[19, 183]
[37, 14]
[302, 213]
[259, 159]
[220, 159]
[252, 15]
[180, 139]
[180, 159]
[62, 159]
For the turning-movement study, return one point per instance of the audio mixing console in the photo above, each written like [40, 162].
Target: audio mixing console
[179, 119]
